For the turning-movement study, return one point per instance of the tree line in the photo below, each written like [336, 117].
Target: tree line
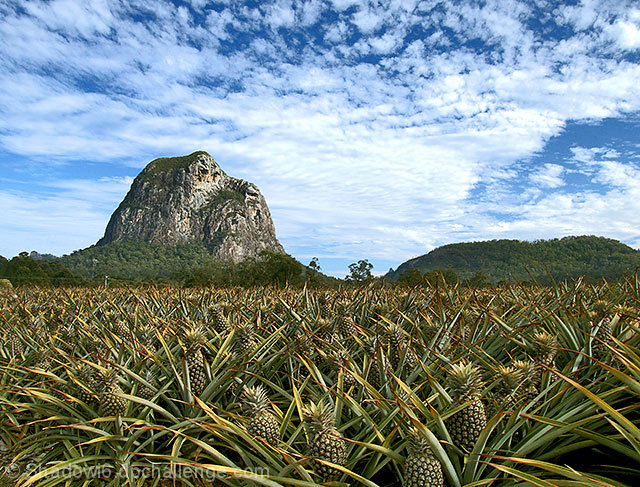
[476, 264]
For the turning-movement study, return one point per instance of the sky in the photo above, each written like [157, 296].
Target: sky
[374, 130]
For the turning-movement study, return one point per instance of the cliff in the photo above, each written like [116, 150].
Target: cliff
[187, 199]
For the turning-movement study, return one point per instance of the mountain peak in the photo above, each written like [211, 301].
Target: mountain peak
[177, 200]
[163, 166]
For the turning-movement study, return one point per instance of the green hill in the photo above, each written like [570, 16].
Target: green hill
[564, 258]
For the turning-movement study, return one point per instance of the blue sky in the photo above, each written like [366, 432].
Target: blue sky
[374, 130]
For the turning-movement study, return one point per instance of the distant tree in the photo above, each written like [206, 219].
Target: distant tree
[477, 280]
[360, 272]
[442, 276]
[313, 264]
[281, 268]
[411, 277]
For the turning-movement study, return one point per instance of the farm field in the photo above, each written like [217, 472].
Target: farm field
[519, 385]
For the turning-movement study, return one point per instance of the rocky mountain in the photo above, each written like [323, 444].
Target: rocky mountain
[563, 258]
[190, 199]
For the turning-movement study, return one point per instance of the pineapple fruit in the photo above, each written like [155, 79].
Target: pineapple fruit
[466, 386]
[527, 387]
[341, 359]
[325, 308]
[194, 343]
[601, 336]
[503, 395]
[87, 383]
[262, 424]
[121, 328]
[325, 441]
[345, 326]
[14, 345]
[108, 388]
[544, 355]
[245, 338]
[372, 349]
[146, 392]
[220, 323]
[421, 468]
[399, 349]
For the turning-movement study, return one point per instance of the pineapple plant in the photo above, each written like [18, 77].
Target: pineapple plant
[32, 422]
[466, 384]
[303, 343]
[381, 310]
[108, 389]
[323, 334]
[194, 341]
[120, 327]
[503, 395]
[342, 359]
[42, 360]
[325, 442]
[372, 349]
[601, 309]
[421, 468]
[148, 342]
[398, 348]
[396, 344]
[600, 337]
[66, 340]
[96, 347]
[465, 334]
[235, 388]
[263, 424]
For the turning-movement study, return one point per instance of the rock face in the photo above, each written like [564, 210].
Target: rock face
[185, 199]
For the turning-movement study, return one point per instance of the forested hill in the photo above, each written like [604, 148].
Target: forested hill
[568, 257]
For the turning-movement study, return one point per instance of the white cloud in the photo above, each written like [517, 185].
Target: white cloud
[344, 4]
[367, 20]
[549, 176]
[70, 211]
[385, 44]
[379, 160]
[626, 34]
[336, 32]
[280, 14]
[311, 12]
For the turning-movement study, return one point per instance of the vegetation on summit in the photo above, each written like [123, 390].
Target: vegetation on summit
[167, 165]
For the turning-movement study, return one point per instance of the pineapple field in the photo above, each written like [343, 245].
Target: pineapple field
[431, 386]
